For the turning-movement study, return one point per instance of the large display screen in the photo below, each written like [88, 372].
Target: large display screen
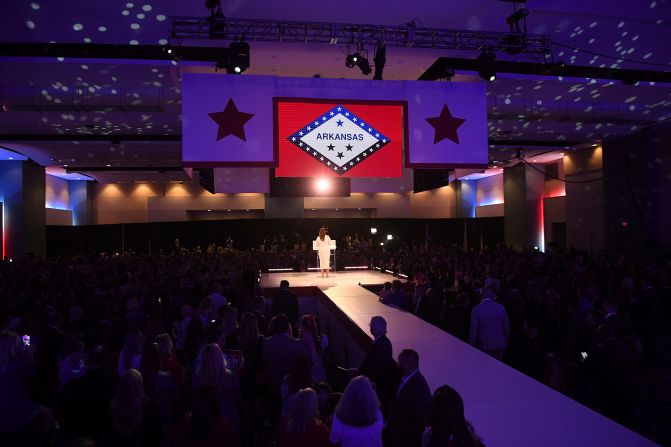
[317, 138]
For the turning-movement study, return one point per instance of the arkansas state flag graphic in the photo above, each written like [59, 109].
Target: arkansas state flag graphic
[325, 137]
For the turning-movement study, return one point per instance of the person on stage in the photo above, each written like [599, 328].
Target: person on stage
[323, 241]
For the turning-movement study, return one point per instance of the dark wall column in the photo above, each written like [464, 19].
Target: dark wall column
[637, 191]
[523, 188]
[81, 201]
[583, 170]
[22, 189]
[465, 198]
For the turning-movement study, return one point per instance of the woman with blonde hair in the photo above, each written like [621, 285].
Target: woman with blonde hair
[357, 419]
[301, 427]
[214, 371]
[135, 419]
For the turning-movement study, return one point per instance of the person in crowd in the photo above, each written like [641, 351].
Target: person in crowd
[50, 344]
[610, 365]
[135, 418]
[187, 314]
[229, 327]
[281, 350]
[397, 296]
[302, 427]
[410, 404]
[87, 400]
[213, 371]
[299, 377]
[309, 336]
[135, 318]
[385, 291]
[379, 365]
[619, 321]
[490, 329]
[324, 392]
[217, 300]
[73, 365]
[429, 306]
[21, 419]
[457, 317]
[169, 361]
[446, 425]
[285, 302]
[357, 419]
[131, 354]
[204, 426]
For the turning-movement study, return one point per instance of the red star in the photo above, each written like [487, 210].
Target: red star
[445, 126]
[231, 121]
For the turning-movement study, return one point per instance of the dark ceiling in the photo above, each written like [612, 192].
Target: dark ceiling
[122, 98]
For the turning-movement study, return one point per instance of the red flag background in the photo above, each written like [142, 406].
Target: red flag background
[387, 117]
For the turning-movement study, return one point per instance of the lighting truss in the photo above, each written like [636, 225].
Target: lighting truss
[408, 35]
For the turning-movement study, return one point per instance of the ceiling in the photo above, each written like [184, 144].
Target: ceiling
[119, 97]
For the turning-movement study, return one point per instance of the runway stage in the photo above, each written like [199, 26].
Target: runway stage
[506, 407]
[314, 279]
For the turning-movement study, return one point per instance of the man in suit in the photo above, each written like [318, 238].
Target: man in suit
[379, 365]
[490, 329]
[286, 302]
[410, 405]
[280, 351]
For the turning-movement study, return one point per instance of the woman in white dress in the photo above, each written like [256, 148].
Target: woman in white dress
[323, 241]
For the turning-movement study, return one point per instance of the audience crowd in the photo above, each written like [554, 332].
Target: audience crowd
[185, 350]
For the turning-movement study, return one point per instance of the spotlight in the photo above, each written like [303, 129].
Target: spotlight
[237, 60]
[364, 66]
[380, 60]
[352, 59]
[373, 230]
[486, 66]
[390, 237]
[323, 185]
[516, 17]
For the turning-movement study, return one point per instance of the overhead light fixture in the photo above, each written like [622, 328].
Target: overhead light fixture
[486, 66]
[380, 60]
[359, 60]
[236, 60]
[364, 66]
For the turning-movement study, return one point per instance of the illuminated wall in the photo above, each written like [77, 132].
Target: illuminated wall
[157, 202]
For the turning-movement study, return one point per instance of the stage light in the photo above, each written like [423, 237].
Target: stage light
[351, 60]
[373, 230]
[380, 60]
[323, 185]
[486, 66]
[364, 66]
[236, 59]
[390, 237]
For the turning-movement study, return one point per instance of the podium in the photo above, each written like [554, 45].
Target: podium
[332, 248]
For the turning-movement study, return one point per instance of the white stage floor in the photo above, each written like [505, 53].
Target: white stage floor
[308, 279]
[506, 407]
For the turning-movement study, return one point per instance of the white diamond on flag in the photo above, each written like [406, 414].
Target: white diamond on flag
[339, 140]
